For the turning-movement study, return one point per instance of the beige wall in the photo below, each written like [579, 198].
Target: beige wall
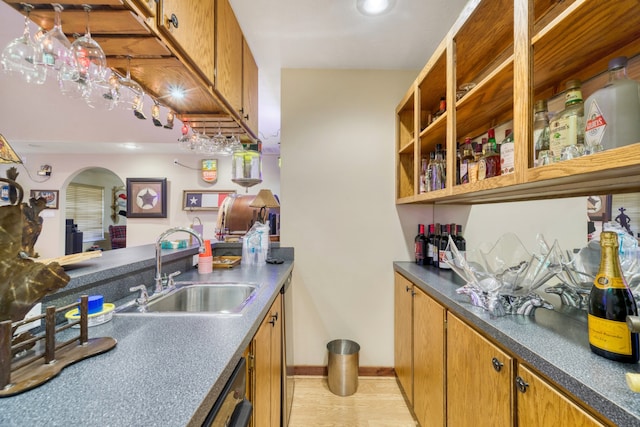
[338, 209]
[337, 183]
[139, 230]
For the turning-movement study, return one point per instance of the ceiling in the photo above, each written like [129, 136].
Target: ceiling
[281, 33]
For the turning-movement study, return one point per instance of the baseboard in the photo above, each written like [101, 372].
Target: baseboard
[363, 371]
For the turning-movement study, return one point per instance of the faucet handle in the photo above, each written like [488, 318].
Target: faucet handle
[170, 282]
[143, 299]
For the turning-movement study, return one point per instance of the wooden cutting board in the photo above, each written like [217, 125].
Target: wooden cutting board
[71, 259]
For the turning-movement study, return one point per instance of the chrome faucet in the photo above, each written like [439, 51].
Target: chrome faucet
[191, 231]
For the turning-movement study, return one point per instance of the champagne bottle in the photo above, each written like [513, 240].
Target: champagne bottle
[421, 246]
[610, 302]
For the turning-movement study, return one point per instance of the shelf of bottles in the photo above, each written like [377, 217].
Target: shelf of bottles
[492, 74]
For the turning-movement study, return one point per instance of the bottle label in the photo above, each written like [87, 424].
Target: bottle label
[572, 96]
[596, 125]
[444, 256]
[507, 158]
[609, 335]
[482, 169]
[419, 253]
[564, 132]
[603, 281]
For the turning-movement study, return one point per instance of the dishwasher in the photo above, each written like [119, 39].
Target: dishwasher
[232, 409]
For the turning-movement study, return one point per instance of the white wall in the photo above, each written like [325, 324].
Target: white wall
[139, 230]
[337, 183]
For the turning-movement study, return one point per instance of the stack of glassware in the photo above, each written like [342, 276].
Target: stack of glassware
[503, 278]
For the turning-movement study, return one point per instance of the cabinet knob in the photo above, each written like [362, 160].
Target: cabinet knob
[274, 319]
[521, 384]
[407, 288]
[172, 21]
[246, 117]
[497, 365]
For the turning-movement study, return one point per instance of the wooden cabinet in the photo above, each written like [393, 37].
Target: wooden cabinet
[190, 26]
[229, 42]
[249, 88]
[419, 351]
[454, 376]
[540, 404]
[428, 360]
[479, 379]
[403, 334]
[528, 50]
[266, 368]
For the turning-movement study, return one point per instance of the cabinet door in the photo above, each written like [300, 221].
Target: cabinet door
[190, 25]
[276, 360]
[262, 375]
[428, 360]
[249, 88]
[540, 404]
[228, 55]
[403, 349]
[479, 379]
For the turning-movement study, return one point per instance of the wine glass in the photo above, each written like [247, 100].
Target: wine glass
[104, 94]
[19, 57]
[56, 50]
[90, 58]
[130, 93]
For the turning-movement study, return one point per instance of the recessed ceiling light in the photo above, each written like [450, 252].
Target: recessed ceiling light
[374, 7]
[130, 146]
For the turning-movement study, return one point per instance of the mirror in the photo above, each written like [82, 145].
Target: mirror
[95, 212]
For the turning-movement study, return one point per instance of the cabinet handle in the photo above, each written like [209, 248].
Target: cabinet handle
[172, 21]
[407, 289]
[274, 319]
[521, 384]
[497, 365]
[246, 117]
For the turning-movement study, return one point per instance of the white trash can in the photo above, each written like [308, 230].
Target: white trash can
[343, 367]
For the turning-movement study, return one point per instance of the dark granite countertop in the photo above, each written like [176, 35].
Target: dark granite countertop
[164, 371]
[553, 342]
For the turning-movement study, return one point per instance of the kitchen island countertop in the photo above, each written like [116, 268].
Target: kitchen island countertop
[164, 370]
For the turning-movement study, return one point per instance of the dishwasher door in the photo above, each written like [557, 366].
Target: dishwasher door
[232, 409]
[288, 382]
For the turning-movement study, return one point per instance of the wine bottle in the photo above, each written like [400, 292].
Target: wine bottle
[421, 246]
[431, 235]
[443, 253]
[610, 302]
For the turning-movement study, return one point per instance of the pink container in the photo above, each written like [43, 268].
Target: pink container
[205, 264]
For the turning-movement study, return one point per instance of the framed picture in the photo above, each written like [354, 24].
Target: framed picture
[204, 200]
[51, 196]
[146, 197]
[599, 208]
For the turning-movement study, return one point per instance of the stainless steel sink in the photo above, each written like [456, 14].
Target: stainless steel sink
[229, 298]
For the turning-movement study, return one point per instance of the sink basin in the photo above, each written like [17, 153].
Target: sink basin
[229, 298]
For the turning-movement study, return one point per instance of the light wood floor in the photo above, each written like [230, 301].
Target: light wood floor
[377, 403]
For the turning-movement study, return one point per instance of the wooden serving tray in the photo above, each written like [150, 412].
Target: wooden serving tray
[226, 261]
[71, 259]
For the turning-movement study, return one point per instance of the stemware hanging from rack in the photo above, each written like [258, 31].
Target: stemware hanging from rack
[130, 93]
[90, 58]
[20, 56]
[57, 55]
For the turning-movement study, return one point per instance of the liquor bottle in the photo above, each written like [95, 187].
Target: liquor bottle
[437, 172]
[421, 246]
[506, 153]
[465, 160]
[610, 302]
[473, 165]
[541, 133]
[431, 235]
[566, 131]
[423, 175]
[489, 163]
[613, 111]
[441, 108]
[443, 253]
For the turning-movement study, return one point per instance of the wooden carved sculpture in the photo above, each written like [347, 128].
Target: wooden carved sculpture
[23, 282]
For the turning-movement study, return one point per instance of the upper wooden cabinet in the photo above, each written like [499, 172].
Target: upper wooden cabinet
[249, 88]
[228, 55]
[172, 44]
[190, 24]
[516, 52]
